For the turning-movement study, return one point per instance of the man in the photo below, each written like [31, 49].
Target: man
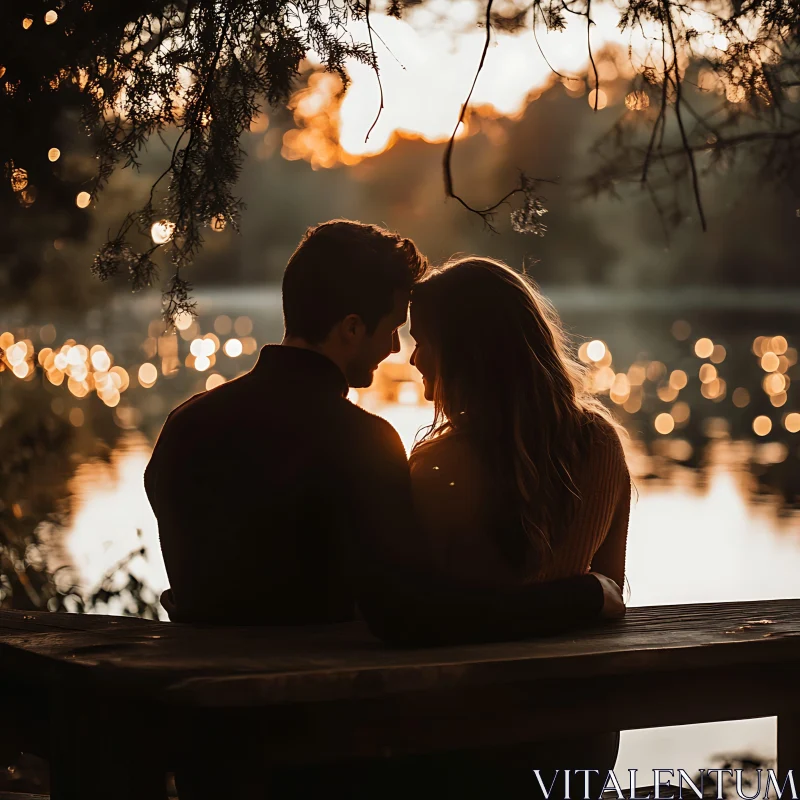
[280, 502]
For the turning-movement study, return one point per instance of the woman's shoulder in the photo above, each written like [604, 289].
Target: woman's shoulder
[452, 447]
[604, 440]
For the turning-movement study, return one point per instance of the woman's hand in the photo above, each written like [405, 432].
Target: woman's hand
[613, 604]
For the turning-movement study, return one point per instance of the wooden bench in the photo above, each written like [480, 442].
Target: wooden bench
[122, 696]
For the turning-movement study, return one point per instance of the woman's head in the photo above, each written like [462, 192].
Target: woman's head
[497, 365]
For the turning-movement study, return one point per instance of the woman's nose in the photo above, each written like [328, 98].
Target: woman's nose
[413, 358]
[395, 342]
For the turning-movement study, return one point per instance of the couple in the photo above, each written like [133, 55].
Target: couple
[279, 502]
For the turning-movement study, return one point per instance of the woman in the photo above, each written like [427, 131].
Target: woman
[521, 477]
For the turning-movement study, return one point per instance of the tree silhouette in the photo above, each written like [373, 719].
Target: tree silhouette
[201, 68]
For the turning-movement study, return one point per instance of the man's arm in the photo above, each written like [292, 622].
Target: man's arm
[403, 602]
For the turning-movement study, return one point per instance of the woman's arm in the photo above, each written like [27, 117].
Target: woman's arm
[610, 557]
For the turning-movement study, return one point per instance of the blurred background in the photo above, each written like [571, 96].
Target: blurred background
[692, 336]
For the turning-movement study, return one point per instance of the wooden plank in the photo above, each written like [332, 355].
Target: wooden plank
[216, 666]
[496, 715]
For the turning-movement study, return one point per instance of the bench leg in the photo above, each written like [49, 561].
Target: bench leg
[103, 752]
[789, 746]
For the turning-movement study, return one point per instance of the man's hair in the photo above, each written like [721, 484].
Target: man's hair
[343, 267]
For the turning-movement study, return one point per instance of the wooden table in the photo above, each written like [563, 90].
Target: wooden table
[123, 696]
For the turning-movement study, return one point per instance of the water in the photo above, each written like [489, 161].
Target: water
[716, 517]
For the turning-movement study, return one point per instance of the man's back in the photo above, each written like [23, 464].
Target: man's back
[252, 487]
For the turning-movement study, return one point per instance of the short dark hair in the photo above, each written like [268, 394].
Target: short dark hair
[343, 267]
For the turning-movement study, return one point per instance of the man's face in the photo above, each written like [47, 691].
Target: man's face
[371, 350]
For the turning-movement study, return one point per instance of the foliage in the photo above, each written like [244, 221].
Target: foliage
[39, 452]
[139, 69]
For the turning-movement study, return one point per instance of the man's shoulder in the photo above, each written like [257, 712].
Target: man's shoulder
[374, 430]
[206, 401]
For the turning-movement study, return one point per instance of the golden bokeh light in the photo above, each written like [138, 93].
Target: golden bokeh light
[243, 326]
[762, 425]
[666, 393]
[223, 325]
[44, 354]
[707, 373]
[602, 380]
[774, 383]
[202, 363]
[162, 231]
[758, 345]
[249, 345]
[678, 379]
[778, 345]
[634, 403]
[680, 412]
[602, 98]
[636, 374]
[718, 354]
[213, 381]
[703, 348]
[148, 374]
[16, 354]
[211, 344]
[664, 423]
[53, 154]
[778, 399]
[78, 388]
[792, 422]
[101, 360]
[76, 417]
[233, 348]
[620, 389]
[183, 321]
[83, 199]
[595, 350]
[51, 17]
[27, 22]
[770, 362]
[22, 369]
[655, 371]
[124, 378]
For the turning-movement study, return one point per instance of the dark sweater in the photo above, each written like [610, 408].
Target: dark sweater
[279, 502]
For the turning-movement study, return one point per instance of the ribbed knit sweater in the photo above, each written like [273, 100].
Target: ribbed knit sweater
[457, 516]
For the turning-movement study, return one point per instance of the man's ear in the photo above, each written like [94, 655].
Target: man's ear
[352, 328]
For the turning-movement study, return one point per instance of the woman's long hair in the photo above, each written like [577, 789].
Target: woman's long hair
[506, 376]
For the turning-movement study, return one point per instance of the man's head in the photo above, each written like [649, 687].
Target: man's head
[345, 293]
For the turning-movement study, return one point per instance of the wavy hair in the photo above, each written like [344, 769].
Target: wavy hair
[507, 376]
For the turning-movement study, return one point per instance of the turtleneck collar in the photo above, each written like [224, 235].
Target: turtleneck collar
[297, 362]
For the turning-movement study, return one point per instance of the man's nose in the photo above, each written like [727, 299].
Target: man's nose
[413, 359]
[395, 342]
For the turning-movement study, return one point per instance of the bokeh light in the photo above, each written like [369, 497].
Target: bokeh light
[762, 425]
[148, 374]
[233, 348]
[664, 423]
[703, 348]
[162, 231]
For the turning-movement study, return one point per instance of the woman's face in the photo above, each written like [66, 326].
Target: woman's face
[422, 357]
